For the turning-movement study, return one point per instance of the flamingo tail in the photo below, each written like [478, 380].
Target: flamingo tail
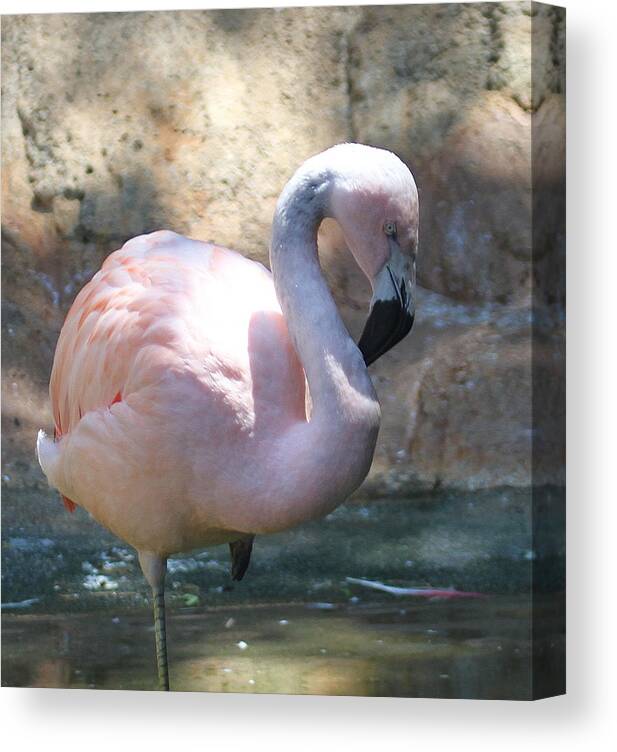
[49, 454]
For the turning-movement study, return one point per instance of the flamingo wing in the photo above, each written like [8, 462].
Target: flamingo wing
[167, 304]
[120, 312]
[173, 371]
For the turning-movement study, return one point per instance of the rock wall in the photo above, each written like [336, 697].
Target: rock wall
[119, 124]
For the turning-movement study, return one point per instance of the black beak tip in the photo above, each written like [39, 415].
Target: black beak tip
[387, 324]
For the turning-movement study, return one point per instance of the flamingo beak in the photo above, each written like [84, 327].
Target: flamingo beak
[392, 309]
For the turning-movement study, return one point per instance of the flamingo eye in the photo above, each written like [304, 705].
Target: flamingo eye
[389, 227]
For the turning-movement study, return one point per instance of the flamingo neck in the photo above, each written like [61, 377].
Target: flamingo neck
[345, 411]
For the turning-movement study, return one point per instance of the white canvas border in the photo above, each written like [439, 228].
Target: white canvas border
[99, 720]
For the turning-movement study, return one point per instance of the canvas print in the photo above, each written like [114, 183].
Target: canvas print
[283, 342]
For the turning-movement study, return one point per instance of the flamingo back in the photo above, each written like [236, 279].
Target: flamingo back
[153, 307]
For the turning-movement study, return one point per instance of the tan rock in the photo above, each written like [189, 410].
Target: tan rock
[119, 124]
[471, 422]
[449, 87]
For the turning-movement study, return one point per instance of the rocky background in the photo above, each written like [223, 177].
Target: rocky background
[119, 124]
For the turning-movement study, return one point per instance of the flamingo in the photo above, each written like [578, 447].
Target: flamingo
[199, 399]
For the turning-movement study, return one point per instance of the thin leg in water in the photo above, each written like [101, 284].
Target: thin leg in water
[154, 568]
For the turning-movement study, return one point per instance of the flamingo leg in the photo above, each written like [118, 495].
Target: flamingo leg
[160, 635]
[154, 568]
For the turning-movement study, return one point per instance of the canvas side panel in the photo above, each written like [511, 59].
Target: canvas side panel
[548, 349]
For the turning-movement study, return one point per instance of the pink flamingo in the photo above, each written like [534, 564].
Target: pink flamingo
[179, 378]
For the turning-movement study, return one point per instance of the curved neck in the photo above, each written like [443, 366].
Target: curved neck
[326, 458]
[338, 381]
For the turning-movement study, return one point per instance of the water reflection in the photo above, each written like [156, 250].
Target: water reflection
[435, 649]
[77, 612]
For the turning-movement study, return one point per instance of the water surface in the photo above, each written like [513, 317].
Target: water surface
[76, 611]
[435, 649]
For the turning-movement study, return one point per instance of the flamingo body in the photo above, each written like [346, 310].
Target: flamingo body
[173, 382]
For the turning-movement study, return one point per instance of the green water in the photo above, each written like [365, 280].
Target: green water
[472, 649]
[76, 612]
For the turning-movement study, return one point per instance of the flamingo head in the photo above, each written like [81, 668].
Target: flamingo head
[375, 201]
